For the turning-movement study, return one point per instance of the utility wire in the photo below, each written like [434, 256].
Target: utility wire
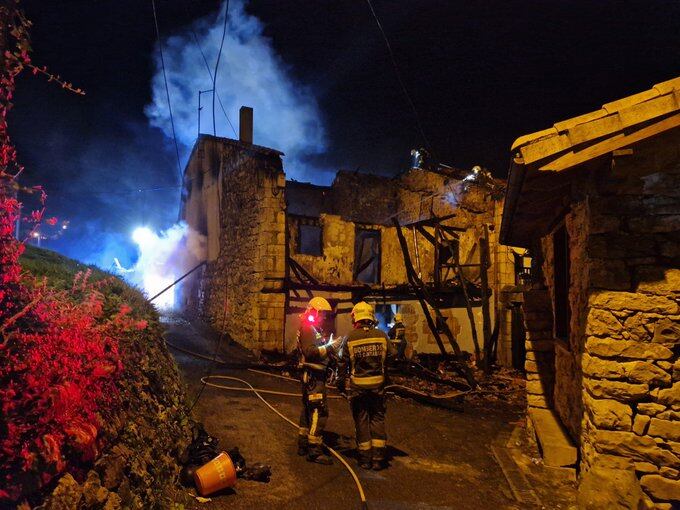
[401, 81]
[167, 90]
[207, 67]
[217, 64]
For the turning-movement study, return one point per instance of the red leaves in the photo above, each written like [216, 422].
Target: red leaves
[59, 357]
[62, 364]
[51, 221]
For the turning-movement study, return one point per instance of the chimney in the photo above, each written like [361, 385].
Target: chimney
[245, 127]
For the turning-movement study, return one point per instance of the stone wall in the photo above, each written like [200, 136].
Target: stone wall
[242, 289]
[540, 347]
[632, 332]
[502, 280]
[360, 200]
[363, 198]
[617, 378]
[335, 265]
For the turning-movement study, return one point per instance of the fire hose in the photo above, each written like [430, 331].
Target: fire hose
[392, 388]
[258, 392]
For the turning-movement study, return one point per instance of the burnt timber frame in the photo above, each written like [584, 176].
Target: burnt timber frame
[425, 298]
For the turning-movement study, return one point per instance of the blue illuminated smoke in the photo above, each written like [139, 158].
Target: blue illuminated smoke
[286, 112]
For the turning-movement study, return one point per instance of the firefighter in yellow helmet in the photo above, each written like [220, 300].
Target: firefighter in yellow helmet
[314, 348]
[363, 360]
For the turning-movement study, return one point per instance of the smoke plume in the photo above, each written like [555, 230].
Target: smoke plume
[165, 257]
[286, 113]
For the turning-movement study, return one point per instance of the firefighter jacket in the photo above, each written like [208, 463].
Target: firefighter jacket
[397, 336]
[310, 344]
[397, 332]
[364, 358]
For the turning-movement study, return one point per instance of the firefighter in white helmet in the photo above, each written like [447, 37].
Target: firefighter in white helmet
[364, 354]
[314, 348]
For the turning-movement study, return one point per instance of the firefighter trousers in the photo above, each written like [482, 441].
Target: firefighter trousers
[368, 410]
[314, 412]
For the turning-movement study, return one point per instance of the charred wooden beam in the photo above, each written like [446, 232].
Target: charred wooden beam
[426, 234]
[293, 285]
[452, 230]
[425, 298]
[486, 314]
[301, 272]
[430, 222]
[468, 305]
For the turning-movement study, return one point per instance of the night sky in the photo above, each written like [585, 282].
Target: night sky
[480, 74]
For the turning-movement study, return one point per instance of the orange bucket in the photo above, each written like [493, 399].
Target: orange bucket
[217, 474]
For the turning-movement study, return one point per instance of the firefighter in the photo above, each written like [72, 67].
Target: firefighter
[363, 358]
[314, 353]
[397, 336]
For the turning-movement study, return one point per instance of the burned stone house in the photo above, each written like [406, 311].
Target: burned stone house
[274, 243]
[596, 200]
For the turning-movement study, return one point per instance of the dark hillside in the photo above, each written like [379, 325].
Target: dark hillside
[142, 435]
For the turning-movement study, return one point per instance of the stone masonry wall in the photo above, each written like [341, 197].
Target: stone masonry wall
[631, 339]
[540, 347]
[250, 267]
[567, 394]
[336, 264]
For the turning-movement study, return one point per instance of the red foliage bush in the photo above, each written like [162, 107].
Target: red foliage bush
[57, 369]
[59, 354]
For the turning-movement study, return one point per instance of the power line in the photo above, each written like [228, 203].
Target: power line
[167, 90]
[207, 67]
[217, 64]
[401, 81]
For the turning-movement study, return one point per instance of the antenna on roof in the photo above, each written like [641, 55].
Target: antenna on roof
[200, 93]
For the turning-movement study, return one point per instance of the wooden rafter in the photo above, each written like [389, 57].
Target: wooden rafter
[425, 298]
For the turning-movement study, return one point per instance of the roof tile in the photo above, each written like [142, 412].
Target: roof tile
[564, 125]
[641, 112]
[629, 101]
[659, 101]
[668, 85]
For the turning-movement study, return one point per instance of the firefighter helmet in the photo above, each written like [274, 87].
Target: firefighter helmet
[362, 311]
[320, 304]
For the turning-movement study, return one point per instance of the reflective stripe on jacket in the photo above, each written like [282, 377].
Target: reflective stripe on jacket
[364, 353]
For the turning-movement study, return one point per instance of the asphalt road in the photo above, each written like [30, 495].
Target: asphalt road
[439, 459]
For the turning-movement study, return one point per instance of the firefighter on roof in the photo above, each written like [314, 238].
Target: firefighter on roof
[363, 358]
[314, 352]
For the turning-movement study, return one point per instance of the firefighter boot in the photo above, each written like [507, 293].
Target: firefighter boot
[364, 457]
[378, 463]
[320, 459]
[303, 443]
[315, 454]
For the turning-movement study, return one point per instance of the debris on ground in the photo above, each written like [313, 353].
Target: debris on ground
[432, 379]
[204, 449]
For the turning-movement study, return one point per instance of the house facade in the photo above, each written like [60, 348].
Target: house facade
[596, 200]
[274, 243]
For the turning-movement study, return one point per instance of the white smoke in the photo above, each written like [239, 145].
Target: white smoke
[286, 114]
[165, 257]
